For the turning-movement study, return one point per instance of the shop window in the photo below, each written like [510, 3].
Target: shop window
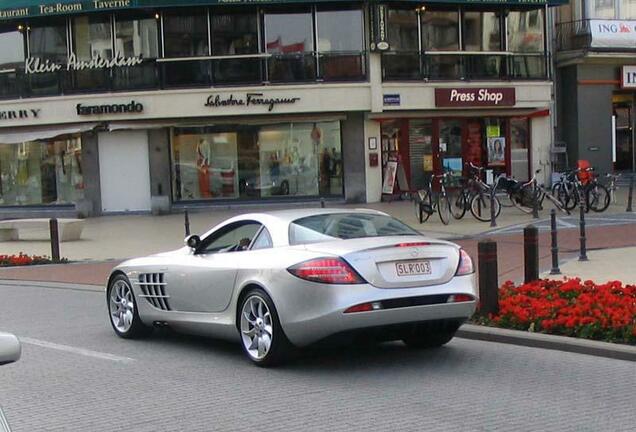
[520, 148]
[421, 152]
[12, 55]
[289, 39]
[92, 38]
[340, 43]
[496, 145]
[284, 160]
[185, 34]
[236, 33]
[450, 146]
[41, 172]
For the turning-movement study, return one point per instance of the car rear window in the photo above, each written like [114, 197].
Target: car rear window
[326, 227]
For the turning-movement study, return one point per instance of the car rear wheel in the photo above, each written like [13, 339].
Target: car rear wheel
[430, 335]
[122, 310]
[262, 336]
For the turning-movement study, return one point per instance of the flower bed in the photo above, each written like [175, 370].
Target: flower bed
[24, 260]
[569, 307]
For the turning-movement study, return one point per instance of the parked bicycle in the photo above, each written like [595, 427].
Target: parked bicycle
[475, 194]
[428, 202]
[524, 195]
[569, 189]
[612, 186]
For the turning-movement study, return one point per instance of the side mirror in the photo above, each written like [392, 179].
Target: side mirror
[193, 241]
[538, 171]
[10, 348]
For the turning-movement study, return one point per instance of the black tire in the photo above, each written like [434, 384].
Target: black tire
[556, 202]
[137, 329]
[430, 335]
[424, 206]
[443, 209]
[597, 197]
[280, 347]
[457, 204]
[568, 200]
[480, 207]
[284, 188]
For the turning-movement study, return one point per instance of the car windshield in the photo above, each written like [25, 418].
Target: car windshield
[326, 227]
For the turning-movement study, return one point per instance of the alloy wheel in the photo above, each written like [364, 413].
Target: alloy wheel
[257, 330]
[122, 306]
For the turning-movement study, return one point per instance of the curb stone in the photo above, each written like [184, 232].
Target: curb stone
[546, 341]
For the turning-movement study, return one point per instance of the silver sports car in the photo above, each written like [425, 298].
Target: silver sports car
[290, 278]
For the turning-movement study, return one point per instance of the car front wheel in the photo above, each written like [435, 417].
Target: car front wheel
[262, 336]
[122, 310]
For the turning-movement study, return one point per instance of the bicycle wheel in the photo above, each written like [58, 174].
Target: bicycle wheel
[597, 197]
[557, 202]
[423, 208]
[480, 207]
[457, 204]
[443, 208]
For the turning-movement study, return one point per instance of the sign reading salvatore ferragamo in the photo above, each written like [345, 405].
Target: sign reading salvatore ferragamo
[250, 99]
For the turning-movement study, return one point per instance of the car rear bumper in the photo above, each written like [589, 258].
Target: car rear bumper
[323, 313]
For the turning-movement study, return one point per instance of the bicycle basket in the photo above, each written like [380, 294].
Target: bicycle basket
[509, 185]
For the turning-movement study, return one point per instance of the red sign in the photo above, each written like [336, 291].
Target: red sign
[475, 96]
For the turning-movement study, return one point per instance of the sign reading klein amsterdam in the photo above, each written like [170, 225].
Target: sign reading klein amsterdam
[475, 96]
[250, 99]
[34, 65]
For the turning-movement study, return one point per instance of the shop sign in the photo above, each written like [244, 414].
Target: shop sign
[613, 33]
[628, 77]
[35, 65]
[250, 99]
[475, 96]
[391, 100]
[20, 114]
[132, 107]
[379, 28]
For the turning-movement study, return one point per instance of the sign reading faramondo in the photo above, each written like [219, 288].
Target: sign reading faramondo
[17, 9]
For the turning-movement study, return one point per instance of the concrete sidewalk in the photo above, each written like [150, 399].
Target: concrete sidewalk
[602, 266]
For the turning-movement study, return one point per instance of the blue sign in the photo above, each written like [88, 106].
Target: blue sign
[391, 100]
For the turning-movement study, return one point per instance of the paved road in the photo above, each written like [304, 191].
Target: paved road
[75, 375]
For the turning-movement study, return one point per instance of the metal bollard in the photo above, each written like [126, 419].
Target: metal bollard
[531, 253]
[186, 223]
[322, 203]
[583, 249]
[55, 240]
[535, 203]
[555, 245]
[488, 277]
[493, 215]
[630, 194]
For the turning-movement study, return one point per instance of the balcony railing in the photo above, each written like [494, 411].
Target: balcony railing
[579, 35]
[196, 72]
[448, 66]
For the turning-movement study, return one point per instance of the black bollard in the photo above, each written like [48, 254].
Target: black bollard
[186, 222]
[55, 240]
[555, 245]
[630, 194]
[322, 203]
[531, 253]
[583, 249]
[493, 215]
[488, 278]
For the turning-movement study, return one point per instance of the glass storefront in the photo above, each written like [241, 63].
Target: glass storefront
[431, 146]
[41, 172]
[253, 162]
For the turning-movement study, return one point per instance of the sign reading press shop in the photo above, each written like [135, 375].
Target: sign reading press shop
[613, 33]
[459, 97]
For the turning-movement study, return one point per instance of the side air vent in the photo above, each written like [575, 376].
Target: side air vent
[153, 287]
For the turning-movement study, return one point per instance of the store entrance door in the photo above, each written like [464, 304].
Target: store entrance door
[625, 157]
[124, 171]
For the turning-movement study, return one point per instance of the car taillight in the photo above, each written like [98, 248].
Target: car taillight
[326, 270]
[465, 264]
[460, 298]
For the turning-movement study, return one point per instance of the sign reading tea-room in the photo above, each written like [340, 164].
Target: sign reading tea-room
[475, 96]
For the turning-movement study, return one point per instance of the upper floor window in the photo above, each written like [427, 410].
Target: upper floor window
[234, 32]
[482, 31]
[340, 30]
[92, 36]
[12, 51]
[136, 35]
[440, 30]
[610, 9]
[185, 33]
[289, 31]
[403, 29]
[47, 40]
[526, 31]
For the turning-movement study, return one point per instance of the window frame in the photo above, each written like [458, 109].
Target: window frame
[215, 235]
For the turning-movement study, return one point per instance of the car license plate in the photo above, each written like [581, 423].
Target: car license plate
[413, 268]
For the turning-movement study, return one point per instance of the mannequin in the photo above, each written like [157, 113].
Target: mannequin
[203, 165]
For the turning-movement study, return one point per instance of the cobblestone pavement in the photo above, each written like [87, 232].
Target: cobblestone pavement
[76, 375]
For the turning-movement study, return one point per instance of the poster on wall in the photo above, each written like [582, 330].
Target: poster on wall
[496, 151]
[389, 177]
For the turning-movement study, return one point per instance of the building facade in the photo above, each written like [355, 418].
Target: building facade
[135, 106]
[596, 82]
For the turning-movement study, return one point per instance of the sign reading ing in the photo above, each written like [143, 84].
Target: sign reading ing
[613, 33]
[628, 77]
[475, 96]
